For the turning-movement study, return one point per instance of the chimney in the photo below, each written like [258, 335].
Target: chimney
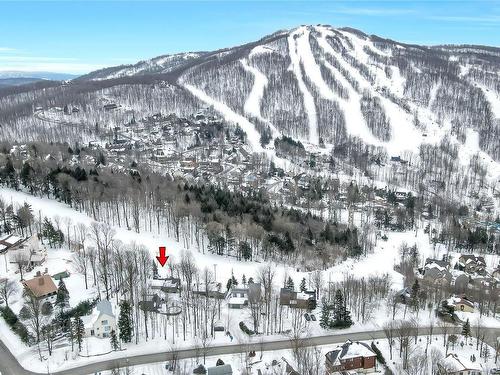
[38, 274]
[41, 281]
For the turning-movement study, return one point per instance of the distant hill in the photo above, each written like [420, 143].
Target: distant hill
[33, 76]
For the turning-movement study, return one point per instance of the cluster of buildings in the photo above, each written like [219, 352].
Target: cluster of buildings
[469, 273]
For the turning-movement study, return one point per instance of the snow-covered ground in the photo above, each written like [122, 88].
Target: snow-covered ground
[380, 262]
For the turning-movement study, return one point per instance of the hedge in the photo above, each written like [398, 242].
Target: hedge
[15, 324]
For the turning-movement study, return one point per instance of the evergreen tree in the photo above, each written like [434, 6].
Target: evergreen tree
[250, 280]
[303, 287]
[62, 297]
[114, 341]
[244, 280]
[414, 295]
[125, 321]
[341, 316]
[289, 246]
[229, 284]
[234, 282]
[324, 321]
[79, 331]
[245, 250]
[466, 331]
[289, 283]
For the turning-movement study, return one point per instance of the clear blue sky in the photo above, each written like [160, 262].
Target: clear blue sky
[79, 36]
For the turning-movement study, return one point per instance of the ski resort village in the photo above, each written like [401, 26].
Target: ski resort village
[317, 202]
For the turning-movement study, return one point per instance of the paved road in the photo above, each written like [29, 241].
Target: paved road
[10, 366]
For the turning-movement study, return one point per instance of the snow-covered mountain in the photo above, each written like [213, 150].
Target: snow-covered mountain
[323, 86]
[320, 85]
[160, 64]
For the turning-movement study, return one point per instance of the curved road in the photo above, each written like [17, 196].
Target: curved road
[10, 366]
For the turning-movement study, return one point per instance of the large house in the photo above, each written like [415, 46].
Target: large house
[299, 300]
[351, 356]
[28, 250]
[167, 285]
[41, 287]
[452, 364]
[436, 274]
[101, 322]
[461, 303]
[240, 297]
[471, 264]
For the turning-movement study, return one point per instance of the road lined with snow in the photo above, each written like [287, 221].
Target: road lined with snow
[9, 364]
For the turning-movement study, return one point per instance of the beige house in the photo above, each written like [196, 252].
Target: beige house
[42, 287]
[461, 303]
[101, 322]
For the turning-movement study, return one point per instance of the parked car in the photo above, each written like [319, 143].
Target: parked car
[308, 318]
[313, 317]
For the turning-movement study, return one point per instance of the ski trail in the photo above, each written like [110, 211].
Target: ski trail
[311, 68]
[253, 102]
[253, 135]
[404, 136]
[355, 122]
[309, 104]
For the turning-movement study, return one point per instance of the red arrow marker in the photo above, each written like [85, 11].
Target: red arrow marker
[162, 259]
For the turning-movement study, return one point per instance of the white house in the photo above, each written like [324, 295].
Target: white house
[101, 322]
[28, 250]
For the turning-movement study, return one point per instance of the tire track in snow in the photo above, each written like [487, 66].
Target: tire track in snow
[253, 102]
[309, 104]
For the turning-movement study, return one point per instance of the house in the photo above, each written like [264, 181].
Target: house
[453, 364]
[351, 356]
[461, 303]
[299, 300]
[471, 264]
[166, 285]
[101, 322]
[241, 297]
[220, 370]
[9, 241]
[41, 287]
[436, 274]
[237, 298]
[404, 295]
[496, 273]
[28, 250]
[213, 290]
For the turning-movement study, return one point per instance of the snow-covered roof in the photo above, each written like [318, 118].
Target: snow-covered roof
[349, 350]
[237, 300]
[454, 363]
[103, 307]
[434, 265]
